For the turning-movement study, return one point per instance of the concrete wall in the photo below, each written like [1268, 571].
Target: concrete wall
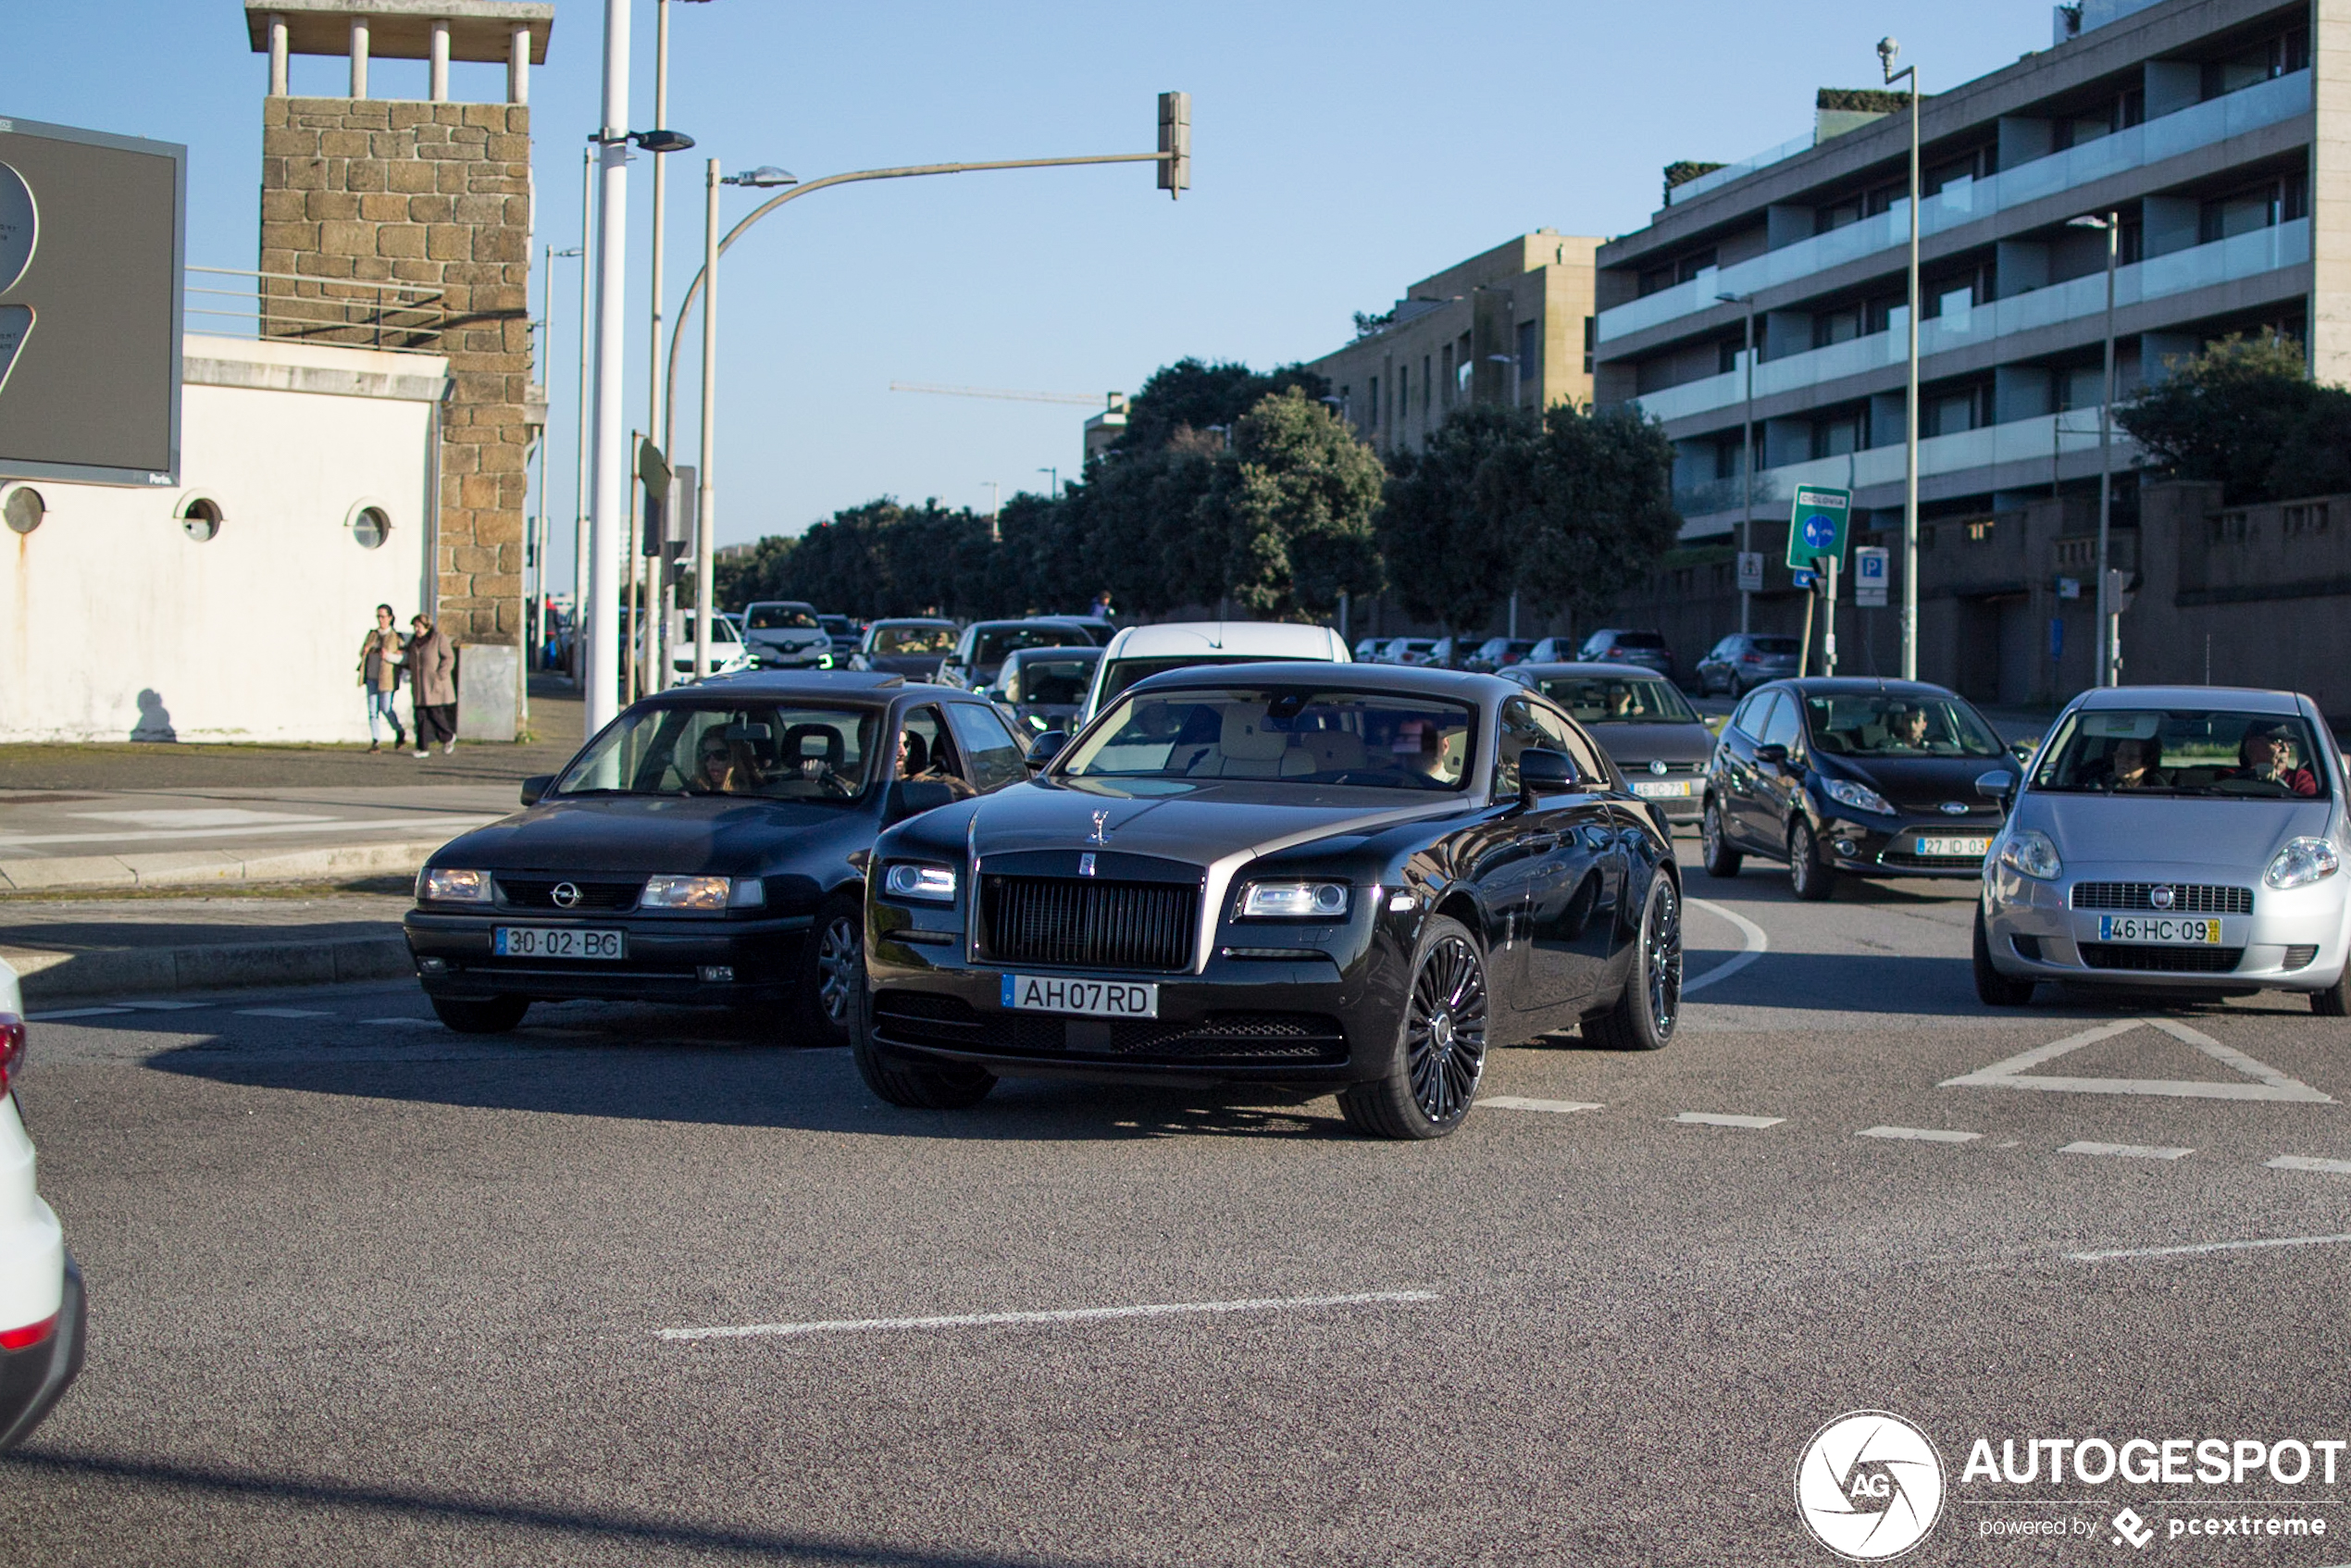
[115, 625]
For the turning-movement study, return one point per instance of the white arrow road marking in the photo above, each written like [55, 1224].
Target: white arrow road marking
[1716, 1119]
[1078, 1314]
[2126, 1151]
[2269, 1083]
[1758, 944]
[1923, 1135]
[2307, 1163]
[1520, 1102]
[2210, 1246]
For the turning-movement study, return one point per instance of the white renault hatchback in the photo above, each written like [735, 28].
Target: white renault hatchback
[2177, 838]
[41, 1300]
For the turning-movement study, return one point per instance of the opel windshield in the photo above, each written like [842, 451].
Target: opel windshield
[763, 751]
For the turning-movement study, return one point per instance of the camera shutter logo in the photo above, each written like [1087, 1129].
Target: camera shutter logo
[1869, 1485]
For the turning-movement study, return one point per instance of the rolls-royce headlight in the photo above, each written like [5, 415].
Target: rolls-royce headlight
[441, 885]
[1861, 797]
[908, 880]
[2303, 862]
[1294, 901]
[686, 892]
[2029, 852]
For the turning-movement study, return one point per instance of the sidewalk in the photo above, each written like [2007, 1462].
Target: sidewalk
[88, 948]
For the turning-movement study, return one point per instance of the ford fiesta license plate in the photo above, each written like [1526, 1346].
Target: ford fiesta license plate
[559, 941]
[1957, 849]
[1089, 999]
[2159, 931]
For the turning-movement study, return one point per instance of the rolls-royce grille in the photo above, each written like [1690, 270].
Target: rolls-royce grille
[538, 892]
[917, 1018]
[2187, 897]
[1071, 921]
[2162, 960]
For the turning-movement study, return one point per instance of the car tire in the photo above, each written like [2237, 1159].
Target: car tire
[1440, 1042]
[2335, 1000]
[1718, 857]
[918, 1086]
[496, 1016]
[832, 967]
[1809, 876]
[1644, 1017]
[1996, 990]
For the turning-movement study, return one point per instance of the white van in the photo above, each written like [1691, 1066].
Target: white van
[42, 1312]
[1148, 650]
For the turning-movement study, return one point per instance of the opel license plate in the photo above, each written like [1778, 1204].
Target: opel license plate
[1958, 849]
[1090, 999]
[2159, 930]
[558, 942]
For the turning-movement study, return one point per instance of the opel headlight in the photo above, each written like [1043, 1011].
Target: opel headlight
[2029, 852]
[2301, 863]
[686, 892]
[1294, 901]
[934, 884]
[439, 886]
[1861, 797]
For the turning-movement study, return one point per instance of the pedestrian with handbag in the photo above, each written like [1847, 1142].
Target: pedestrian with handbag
[381, 656]
[433, 680]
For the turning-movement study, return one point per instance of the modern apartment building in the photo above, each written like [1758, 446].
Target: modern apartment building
[2218, 130]
[1512, 325]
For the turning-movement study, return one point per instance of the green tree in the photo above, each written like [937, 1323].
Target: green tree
[751, 575]
[1301, 497]
[1194, 396]
[1588, 502]
[1447, 552]
[2245, 411]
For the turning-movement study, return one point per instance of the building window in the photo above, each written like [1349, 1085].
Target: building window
[1426, 374]
[1836, 215]
[370, 526]
[2255, 207]
[1404, 392]
[1527, 351]
[1838, 434]
[1446, 355]
[24, 508]
[1837, 326]
[1461, 364]
[1591, 341]
[2278, 55]
[1948, 414]
[200, 518]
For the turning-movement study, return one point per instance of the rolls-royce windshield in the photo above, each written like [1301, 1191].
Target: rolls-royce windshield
[1292, 736]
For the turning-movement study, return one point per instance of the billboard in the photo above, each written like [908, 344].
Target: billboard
[93, 232]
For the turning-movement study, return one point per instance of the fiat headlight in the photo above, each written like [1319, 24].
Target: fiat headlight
[1861, 797]
[1294, 901]
[2301, 863]
[2028, 852]
[440, 885]
[686, 892]
[933, 884]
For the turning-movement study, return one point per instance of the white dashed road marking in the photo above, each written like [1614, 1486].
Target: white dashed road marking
[1520, 1102]
[405, 1023]
[2306, 1162]
[1712, 1119]
[1758, 944]
[2127, 1151]
[2268, 1082]
[2210, 1246]
[73, 1013]
[1923, 1135]
[281, 1013]
[1077, 1314]
[160, 1005]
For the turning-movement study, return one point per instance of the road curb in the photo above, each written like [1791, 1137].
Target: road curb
[196, 869]
[99, 973]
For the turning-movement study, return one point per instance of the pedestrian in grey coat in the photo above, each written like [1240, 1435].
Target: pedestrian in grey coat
[432, 678]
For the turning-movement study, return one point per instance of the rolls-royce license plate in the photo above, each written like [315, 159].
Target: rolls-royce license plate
[1089, 999]
[558, 942]
[2159, 931]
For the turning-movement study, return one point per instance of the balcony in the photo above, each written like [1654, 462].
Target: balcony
[2179, 272]
[1968, 201]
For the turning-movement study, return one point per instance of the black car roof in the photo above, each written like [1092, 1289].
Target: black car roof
[1852, 686]
[1585, 666]
[1405, 681]
[855, 688]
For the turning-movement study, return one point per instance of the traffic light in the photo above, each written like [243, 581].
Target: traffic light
[1176, 140]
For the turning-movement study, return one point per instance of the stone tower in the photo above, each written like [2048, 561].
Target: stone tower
[430, 201]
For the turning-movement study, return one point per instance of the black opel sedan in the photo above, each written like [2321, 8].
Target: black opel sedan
[1866, 778]
[1649, 729]
[707, 847]
[1348, 878]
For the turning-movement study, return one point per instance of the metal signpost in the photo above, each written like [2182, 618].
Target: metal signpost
[1816, 529]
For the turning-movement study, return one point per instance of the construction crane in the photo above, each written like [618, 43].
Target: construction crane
[1105, 400]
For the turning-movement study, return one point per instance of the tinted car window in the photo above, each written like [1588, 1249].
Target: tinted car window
[1607, 698]
[1293, 736]
[1773, 644]
[1637, 639]
[991, 647]
[1561, 737]
[779, 617]
[1053, 680]
[914, 639]
[1883, 725]
[1747, 718]
[1518, 733]
[774, 752]
[2193, 752]
[1123, 672]
[1780, 728]
[994, 758]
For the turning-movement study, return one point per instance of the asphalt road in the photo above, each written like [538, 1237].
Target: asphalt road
[367, 1291]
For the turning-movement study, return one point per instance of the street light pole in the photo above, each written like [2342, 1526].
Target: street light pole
[1056, 488]
[1886, 51]
[579, 490]
[534, 576]
[2109, 655]
[1747, 457]
[706, 511]
[608, 509]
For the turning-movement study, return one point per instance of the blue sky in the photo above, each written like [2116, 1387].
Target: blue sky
[1341, 151]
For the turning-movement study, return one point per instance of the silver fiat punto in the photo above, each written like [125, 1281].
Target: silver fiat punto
[2181, 838]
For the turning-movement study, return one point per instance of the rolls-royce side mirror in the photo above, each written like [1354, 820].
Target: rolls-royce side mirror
[534, 788]
[1045, 748]
[912, 797]
[1775, 754]
[1544, 772]
[1998, 785]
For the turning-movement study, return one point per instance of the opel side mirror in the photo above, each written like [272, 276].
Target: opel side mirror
[1045, 748]
[535, 787]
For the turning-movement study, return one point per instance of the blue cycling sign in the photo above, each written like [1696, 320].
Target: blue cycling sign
[1816, 526]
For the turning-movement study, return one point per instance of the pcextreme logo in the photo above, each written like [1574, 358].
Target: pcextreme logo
[1869, 1485]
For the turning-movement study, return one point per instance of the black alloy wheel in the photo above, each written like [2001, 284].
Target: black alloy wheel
[493, 1017]
[834, 967]
[1715, 850]
[1811, 878]
[1440, 1055]
[1992, 988]
[1644, 1017]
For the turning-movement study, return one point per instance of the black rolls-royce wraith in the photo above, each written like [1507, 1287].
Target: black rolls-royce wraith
[706, 847]
[1343, 876]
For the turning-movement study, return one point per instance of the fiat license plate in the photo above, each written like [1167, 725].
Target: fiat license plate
[2158, 930]
[1972, 849]
[559, 941]
[1661, 789]
[1090, 999]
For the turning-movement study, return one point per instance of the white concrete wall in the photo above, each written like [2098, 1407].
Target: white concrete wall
[115, 625]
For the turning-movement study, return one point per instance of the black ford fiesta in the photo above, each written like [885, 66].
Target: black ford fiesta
[1355, 877]
[707, 847]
